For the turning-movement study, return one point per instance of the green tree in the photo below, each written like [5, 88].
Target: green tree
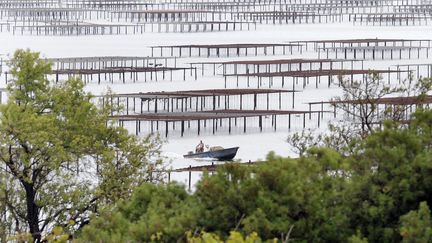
[391, 174]
[299, 198]
[234, 237]
[60, 157]
[416, 226]
[162, 213]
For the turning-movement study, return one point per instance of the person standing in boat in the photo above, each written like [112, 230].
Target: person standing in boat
[200, 147]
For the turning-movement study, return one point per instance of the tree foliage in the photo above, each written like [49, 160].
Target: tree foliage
[154, 213]
[60, 157]
[416, 226]
[234, 237]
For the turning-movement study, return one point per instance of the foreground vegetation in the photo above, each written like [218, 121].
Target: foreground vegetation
[380, 193]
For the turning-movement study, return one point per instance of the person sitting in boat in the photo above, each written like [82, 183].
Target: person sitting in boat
[200, 147]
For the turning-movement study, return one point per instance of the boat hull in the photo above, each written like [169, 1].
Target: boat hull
[223, 154]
